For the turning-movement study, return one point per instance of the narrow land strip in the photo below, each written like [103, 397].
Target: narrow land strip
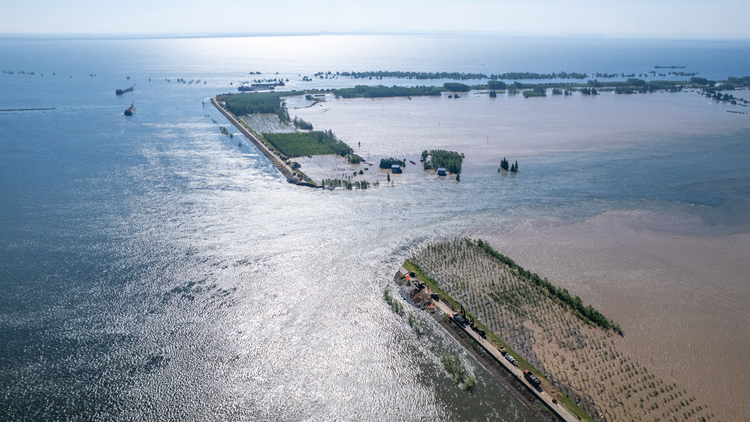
[539, 393]
[285, 169]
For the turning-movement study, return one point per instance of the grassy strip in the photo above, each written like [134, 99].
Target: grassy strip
[495, 340]
[258, 136]
[299, 144]
[307, 178]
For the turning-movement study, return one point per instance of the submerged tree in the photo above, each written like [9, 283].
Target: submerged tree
[504, 164]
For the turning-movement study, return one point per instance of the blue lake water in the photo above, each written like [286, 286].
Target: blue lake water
[153, 270]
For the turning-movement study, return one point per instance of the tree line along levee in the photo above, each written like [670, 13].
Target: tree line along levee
[307, 142]
[573, 346]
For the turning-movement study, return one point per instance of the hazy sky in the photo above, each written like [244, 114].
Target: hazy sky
[660, 19]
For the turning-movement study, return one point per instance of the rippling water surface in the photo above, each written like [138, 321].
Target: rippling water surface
[151, 269]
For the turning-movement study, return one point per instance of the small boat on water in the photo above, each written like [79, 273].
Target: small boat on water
[123, 91]
[130, 110]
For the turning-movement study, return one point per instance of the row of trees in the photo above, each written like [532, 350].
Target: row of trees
[385, 91]
[379, 74]
[532, 75]
[589, 91]
[414, 75]
[575, 302]
[338, 183]
[623, 90]
[500, 85]
[558, 91]
[743, 81]
[435, 158]
[513, 168]
[639, 85]
[612, 75]
[456, 87]
[726, 97]
[537, 91]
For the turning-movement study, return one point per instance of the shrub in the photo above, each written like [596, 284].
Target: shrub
[456, 87]
[301, 124]
[496, 85]
[453, 365]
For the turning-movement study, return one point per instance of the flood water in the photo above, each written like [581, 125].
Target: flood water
[153, 270]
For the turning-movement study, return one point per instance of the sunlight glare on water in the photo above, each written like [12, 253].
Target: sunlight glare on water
[153, 269]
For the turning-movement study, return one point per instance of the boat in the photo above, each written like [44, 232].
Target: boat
[669, 67]
[124, 91]
[130, 110]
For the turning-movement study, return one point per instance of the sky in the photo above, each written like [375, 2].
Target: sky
[688, 19]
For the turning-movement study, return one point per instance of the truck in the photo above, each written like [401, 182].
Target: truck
[478, 330]
[531, 377]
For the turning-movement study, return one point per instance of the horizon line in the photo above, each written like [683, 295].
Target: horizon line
[177, 35]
